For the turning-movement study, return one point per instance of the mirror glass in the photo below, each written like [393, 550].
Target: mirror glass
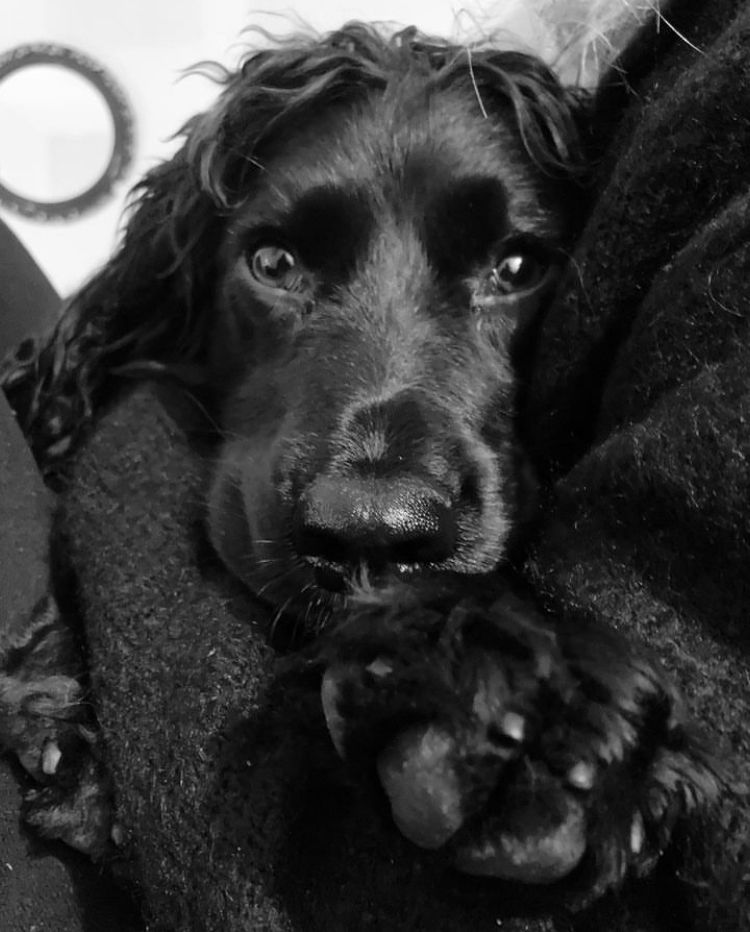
[57, 133]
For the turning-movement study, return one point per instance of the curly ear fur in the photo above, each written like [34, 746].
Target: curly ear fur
[152, 302]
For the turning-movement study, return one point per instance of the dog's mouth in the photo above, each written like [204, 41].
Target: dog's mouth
[307, 555]
[301, 599]
[345, 547]
[345, 578]
[329, 575]
[356, 535]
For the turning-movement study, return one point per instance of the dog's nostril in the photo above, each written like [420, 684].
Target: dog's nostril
[470, 491]
[377, 521]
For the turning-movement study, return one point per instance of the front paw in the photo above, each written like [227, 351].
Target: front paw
[44, 725]
[47, 726]
[528, 751]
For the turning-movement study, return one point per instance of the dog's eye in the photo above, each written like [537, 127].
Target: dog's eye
[516, 272]
[275, 267]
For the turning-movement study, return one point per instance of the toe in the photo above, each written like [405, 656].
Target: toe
[541, 853]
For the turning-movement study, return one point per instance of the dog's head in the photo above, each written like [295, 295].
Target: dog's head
[353, 237]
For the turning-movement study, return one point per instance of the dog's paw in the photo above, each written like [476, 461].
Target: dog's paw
[45, 724]
[527, 751]
[75, 805]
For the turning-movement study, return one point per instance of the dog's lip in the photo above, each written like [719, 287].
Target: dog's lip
[342, 577]
[328, 575]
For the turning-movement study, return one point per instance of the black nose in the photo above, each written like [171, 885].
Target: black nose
[377, 521]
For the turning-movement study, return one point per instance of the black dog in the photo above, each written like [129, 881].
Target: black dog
[351, 246]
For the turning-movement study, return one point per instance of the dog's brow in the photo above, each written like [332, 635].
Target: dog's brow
[330, 226]
[462, 221]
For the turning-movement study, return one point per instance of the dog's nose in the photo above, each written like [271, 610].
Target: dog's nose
[375, 521]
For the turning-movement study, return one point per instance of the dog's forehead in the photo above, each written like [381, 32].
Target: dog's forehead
[400, 149]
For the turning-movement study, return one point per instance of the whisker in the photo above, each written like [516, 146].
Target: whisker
[267, 561]
[308, 607]
[278, 616]
[575, 265]
[275, 579]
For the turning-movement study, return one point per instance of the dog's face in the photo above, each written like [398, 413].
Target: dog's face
[349, 243]
[372, 284]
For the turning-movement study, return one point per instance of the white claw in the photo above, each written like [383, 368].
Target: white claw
[379, 667]
[329, 696]
[514, 726]
[117, 835]
[637, 834]
[581, 775]
[51, 757]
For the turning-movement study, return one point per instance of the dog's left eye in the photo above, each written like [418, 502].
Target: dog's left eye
[275, 267]
[516, 272]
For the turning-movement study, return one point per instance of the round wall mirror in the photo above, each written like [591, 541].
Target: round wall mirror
[67, 132]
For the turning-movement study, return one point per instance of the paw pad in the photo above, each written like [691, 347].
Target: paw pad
[527, 753]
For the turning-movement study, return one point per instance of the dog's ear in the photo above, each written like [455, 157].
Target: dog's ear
[552, 120]
[147, 303]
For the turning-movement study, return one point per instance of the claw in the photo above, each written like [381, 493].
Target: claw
[581, 775]
[51, 757]
[329, 697]
[513, 726]
[637, 834]
[379, 667]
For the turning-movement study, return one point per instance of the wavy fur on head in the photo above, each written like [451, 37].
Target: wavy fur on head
[151, 304]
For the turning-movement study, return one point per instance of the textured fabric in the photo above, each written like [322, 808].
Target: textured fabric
[641, 405]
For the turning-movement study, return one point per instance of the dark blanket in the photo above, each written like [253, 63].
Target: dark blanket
[638, 414]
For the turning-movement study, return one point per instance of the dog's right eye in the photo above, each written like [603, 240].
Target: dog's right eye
[518, 272]
[275, 267]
